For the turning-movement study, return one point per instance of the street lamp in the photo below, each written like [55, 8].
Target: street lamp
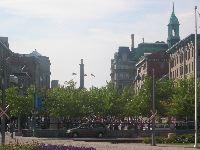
[4, 85]
[153, 106]
[195, 77]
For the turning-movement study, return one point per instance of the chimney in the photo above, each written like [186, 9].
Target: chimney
[4, 40]
[132, 40]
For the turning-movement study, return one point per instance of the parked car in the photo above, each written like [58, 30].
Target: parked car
[160, 127]
[88, 130]
[189, 125]
[163, 127]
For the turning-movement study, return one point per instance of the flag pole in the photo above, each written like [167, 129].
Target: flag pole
[195, 76]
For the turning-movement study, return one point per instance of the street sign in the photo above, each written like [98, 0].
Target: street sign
[3, 112]
[38, 103]
[153, 115]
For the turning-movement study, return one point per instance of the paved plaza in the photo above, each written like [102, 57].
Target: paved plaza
[97, 145]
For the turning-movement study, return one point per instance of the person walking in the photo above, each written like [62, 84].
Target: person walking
[12, 127]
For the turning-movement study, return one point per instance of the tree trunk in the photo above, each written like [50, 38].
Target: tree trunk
[19, 124]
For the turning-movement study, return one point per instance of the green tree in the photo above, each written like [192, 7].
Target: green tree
[182, 102]
[164, 92]
[19, 105]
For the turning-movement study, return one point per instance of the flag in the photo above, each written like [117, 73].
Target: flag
[198, 13]
[85, 74]
[92, 75]
[199, 16]
[73, 73]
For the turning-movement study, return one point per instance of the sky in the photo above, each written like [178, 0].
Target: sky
[67, 31]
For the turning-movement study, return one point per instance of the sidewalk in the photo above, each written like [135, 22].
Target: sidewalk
[98, 145]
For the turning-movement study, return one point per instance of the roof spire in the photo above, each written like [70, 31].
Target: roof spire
[173, 8]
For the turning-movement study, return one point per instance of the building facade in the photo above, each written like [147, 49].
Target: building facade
[29, 69]
[157, 61]
[123, 66]
[136, 55]
[181, 61]
[5, 54]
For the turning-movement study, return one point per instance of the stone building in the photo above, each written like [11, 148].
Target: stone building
[123, 66]
[181, 62]
[5, 54]
[134, 56]
[158, 61]
[30, 69]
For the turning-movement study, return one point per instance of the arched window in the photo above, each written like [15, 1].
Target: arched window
[188, 54]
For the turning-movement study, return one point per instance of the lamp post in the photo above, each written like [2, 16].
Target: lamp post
[153, 106]
[4, 84]
[195, 78]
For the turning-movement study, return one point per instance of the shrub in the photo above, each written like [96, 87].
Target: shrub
[17, 147]
[185, 138]
[147, 140]
[41, 147]
[61, 147]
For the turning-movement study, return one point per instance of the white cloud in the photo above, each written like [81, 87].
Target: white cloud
[66, 9]
[69, 30]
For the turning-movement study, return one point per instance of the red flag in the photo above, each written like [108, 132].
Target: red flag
[92, 75]
[198, 13]
[199, 16]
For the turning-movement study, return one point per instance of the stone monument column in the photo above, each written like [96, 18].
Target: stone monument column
[81, 74]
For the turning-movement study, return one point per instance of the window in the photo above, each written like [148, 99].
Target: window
[192, 66]
[185, 55]
[124, 57]
[173, 32]
[188, 54]
[189, 68]
[177, 72]
[181, 58]
[172, 63]
[181, 70]
[139, 70]
[192, 52]
[186, 69]
[142, 77]
[144, 67]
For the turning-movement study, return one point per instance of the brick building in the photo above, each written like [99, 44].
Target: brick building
[158, 61]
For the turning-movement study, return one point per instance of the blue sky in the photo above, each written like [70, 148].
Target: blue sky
[69, 30]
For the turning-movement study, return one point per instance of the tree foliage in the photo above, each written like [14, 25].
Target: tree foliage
[19, 105]
[172, 99]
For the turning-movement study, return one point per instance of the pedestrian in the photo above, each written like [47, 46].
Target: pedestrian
[12, 127]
